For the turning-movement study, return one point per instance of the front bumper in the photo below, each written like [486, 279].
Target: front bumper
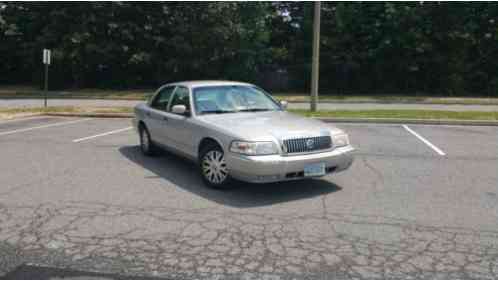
[273, 168]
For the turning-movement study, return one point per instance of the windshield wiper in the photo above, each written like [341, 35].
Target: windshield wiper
[255, 109]
[217, 111]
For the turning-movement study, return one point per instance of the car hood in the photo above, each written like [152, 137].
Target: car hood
[265, 125]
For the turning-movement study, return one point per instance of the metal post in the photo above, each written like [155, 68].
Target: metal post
[315, 68]
[46, 83]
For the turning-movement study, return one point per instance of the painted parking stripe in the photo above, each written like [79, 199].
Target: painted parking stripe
[428, 143]
[43, 126]
[103, 134]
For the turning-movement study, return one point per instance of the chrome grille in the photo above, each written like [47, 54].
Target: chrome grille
[308, 144]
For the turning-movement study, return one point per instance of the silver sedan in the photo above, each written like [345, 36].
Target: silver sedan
[238, 131]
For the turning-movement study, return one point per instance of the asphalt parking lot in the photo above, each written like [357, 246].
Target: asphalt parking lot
[418, 202]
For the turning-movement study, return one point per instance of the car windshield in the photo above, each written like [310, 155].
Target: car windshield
[232, 98]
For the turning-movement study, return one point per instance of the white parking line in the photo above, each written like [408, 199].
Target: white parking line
[103, 134]
[43, 126]
[435, 148]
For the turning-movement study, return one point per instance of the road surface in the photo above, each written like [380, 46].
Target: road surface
[79, 200]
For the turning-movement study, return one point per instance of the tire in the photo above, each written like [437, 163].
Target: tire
[213, 168]
[147, 147]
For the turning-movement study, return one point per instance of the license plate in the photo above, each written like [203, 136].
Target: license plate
[314, 170]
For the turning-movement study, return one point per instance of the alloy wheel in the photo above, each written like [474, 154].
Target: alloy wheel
[214, 167]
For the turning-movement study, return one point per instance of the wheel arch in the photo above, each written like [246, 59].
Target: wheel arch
[141, 124]
[206, 141]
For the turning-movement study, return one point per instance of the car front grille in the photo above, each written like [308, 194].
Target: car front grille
[308, 144]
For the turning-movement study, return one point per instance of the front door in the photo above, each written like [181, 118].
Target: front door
[156, 120]
[179, 126]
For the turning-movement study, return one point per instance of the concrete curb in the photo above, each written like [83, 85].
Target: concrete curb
[68, 98]
[324, 119]
[328, 120]
[410, 121]
[91, 115]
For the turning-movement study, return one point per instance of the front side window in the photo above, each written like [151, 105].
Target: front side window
[181, 97]
[232, 98]
[161, 100]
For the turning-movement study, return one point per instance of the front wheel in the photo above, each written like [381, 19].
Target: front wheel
[213, 167]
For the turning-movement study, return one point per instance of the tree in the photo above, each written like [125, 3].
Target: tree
[415, 47]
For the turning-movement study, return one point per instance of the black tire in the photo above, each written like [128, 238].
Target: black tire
[147, 146]
[207, 152]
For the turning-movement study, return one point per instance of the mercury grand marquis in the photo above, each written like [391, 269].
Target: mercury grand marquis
[237, 131]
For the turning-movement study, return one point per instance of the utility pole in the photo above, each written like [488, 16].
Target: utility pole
[315, 68]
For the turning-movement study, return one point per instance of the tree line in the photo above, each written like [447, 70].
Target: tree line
[396, 48]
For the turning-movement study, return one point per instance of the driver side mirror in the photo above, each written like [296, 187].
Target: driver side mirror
[284, 104]
[179, 109]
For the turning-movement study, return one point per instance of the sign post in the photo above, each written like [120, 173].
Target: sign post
[46, 61]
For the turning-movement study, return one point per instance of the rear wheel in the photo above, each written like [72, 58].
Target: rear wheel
[213, 167]
[146, 145]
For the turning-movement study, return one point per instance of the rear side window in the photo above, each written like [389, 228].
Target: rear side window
[161, 100]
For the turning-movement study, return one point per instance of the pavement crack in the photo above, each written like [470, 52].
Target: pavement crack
[182, 243]
[378, 174]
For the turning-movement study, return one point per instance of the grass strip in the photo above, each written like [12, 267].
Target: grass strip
[16, 112]
[403, 114]
[392, 114]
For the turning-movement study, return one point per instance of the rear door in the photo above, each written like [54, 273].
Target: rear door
[156, 119]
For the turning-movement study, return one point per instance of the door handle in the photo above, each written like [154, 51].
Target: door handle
[165, 118]
[148, 114]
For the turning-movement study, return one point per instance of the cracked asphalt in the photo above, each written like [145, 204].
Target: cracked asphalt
[99, 207]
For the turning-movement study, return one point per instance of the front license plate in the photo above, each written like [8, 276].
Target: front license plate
[314, 170]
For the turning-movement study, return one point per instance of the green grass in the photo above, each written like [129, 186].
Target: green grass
[403, 114]
[111, 95]
[296, 97]
[13, 112]
[384, 114]
[55, 109]
[27, 92]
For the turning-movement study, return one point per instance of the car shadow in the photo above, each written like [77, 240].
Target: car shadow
[184, 174]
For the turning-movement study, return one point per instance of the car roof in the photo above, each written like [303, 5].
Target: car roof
[200, 83]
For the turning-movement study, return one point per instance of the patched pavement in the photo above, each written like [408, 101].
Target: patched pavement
[99, 208]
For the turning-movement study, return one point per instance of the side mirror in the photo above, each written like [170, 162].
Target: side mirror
[179, 109]
[284, 104]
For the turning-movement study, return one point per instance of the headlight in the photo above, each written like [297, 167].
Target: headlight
[254, 148]
[340, 140]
